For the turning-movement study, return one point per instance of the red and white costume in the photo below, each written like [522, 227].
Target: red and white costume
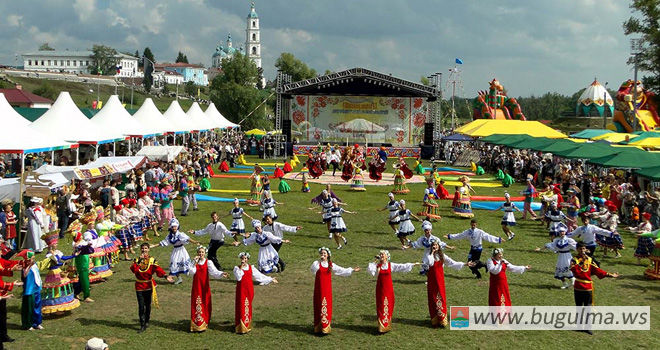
[385, 291]
[323, 293]
[244, 295]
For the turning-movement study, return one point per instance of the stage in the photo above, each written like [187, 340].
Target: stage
[327, 178]
[406, 152]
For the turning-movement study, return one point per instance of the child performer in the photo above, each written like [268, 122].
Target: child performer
[393, 208]
[562, 245]
[237, 224]
[179, 259]
[508, 219]
[406, 228]
[305, 185]
[337, 225]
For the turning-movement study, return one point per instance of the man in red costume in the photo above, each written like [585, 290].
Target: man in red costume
[144, 268]
[7, 268]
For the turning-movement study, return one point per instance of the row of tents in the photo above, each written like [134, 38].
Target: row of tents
[604, 154]
[64, 126]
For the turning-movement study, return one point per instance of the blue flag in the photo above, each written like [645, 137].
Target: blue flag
[459, 61]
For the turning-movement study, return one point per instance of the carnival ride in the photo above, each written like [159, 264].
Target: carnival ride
[646, 115]
[495, 104]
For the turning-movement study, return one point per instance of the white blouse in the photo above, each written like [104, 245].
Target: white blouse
[338, 270]
[213, 271]
[495, 269]
[373, 267]
[449, 262]
[256, 275]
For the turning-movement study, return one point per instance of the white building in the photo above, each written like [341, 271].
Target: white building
[168, 77]
[76, 62]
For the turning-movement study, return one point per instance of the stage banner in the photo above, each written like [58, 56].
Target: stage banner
[340, 119]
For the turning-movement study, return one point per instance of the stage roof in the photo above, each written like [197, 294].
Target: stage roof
[359, 82]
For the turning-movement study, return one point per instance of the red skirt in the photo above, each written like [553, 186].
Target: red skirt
[385, 299]
[435, 289]
[323, 300]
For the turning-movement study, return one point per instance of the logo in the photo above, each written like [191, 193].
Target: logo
[460, 316]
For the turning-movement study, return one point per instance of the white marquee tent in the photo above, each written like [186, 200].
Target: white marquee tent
[65, 120]
[197, 118]
[151, 118]
[20, 138]
[113, 117]
[219, 120]
[177, 117]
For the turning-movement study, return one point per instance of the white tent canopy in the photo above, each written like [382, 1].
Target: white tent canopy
[177, 117]
[117, 164]
[221, 122]
[161, 153]
[10, 188]
[113, 117]
[19, 137]
[197, 118]
[65, 120]
[151, 118]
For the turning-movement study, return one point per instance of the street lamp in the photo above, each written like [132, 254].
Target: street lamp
[605, 106]
[635, 49]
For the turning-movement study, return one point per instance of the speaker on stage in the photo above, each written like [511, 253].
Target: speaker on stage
[426, 151]
[286, 129]
[428, 134]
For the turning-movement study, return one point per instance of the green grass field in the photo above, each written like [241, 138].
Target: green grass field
[283, 312]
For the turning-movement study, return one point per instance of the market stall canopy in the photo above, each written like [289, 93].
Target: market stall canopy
[213, 113]
[615, 137]
[494, 138]
[590, 133]
[628, 159]
[196, 117]
[255, 132]
[114, 117]
[177, 117]
[151, 118]
[10, 188]
[101, 167]
[161, 153]
[649, 142]
[470, 125]
[480, 128]
[560, 146]
[534, 143]
[20, 138]
[590, 150]
[65, 120]
[650, 172]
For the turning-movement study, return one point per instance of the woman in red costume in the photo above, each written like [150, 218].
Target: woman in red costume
[384, 288]
[200, 300]
[435, 283]
[407, 173]
[347, 170]
[244, 275]
[498, 292]
[323, 269]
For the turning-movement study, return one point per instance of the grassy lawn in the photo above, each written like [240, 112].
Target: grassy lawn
[283, 312]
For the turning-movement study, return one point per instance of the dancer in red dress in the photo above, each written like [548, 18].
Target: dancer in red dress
[323, 269]
[435, 283]
[200, 300]
[498, 292]
[384, 288]
[244, 275]
[407, 173]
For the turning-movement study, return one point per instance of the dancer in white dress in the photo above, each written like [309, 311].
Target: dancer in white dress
[406, 228]
[237, 224]
[562, 245]
[268, 203]
[180, 262]
[337, 225]
[393, 208]
[508, 219]
[268, 258]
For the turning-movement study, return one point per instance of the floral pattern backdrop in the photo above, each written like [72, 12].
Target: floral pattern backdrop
[396, 120]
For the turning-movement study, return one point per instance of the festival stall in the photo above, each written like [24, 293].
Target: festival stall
[10, 188]
[219, 120]
[487, 127]
[102, 167]
[590, 133]
[177, 117]
[161, 153]
[195, 117]
[114, 117]
[151, 119]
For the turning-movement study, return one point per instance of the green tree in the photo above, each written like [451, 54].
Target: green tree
[294, 67]
[327, 71]
[45, 90]
[646, 28]
[234, 93]
[104, 60]
[148, 54]
[45, 47]
[137, 54]
[425, 81]
[181, 58]
[190, 89]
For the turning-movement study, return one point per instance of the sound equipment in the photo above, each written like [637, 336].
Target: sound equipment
[428, 134]
[286, 129]
[426, 152]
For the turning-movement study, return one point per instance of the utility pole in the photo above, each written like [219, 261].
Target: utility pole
[454, 79]
[605, 107]
[636, 48]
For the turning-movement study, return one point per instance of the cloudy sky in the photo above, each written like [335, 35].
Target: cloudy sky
[531, 46]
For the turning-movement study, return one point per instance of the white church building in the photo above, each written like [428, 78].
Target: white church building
[252, 46]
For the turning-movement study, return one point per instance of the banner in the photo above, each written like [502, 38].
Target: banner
[340, 119]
